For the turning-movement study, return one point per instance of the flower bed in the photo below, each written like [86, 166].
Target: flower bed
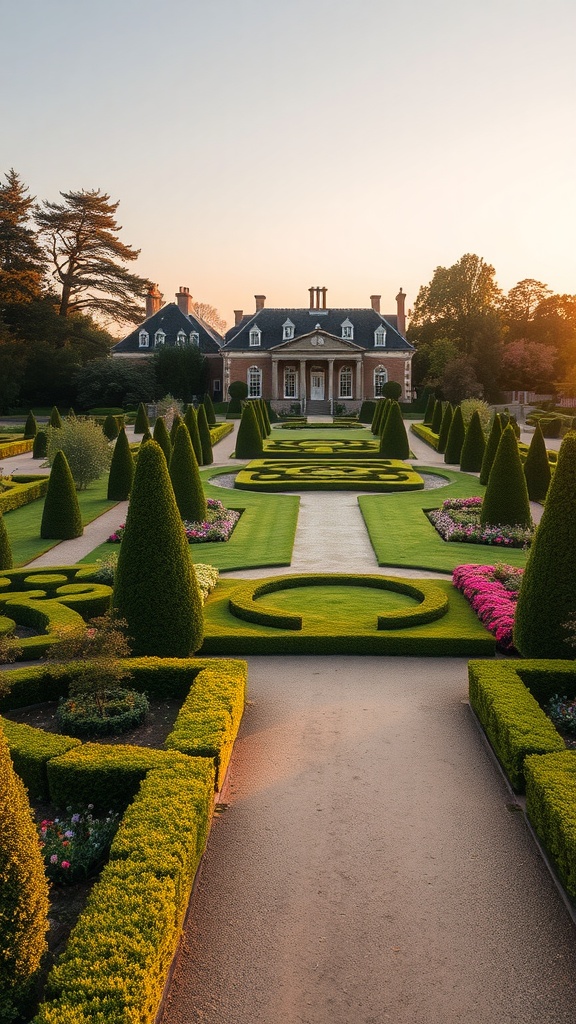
[492, 591]
[458, 519]
[217, 526]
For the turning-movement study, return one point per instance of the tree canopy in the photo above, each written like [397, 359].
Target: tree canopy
[22, 264]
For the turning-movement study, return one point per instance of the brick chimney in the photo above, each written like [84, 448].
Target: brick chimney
[400, 300]
[260, 300]
[375, 302]
[153, 300]
[184, 300]
[238, 314]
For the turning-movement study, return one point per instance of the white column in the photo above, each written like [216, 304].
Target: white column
[274, 378]
[359, 390]
[330, 381]
[302, 385]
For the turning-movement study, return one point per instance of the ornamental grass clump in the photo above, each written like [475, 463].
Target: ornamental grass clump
[161, 436]
[205, 439]
[491, 449]
[185, 478]
[455, 438]
[191, 421]
[537, 467]
[156, 591]
[445, 428]
[249, 439]
[394, 440]
[30, 427]
[473, 447]
[547, 599]
[506, 501]
[5, 549]
[85, 446]
[61, 517]
[121, 470]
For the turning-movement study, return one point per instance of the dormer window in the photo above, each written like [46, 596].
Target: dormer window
[181, 339]
[143, 339]
[254, 337]
[159, 338]
[194, 338]
[380, 337]
[347, 330]
[287, 330]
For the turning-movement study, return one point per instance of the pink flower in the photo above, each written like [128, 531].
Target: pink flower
[65, 864]
[54, 858]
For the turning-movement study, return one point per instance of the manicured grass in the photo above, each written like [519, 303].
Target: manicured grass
[23, 524]
[401, 535]
[328, 474]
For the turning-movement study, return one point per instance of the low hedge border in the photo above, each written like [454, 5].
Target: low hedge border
[321, 448]
[510, 714]
[219, 431]
[21, 491]
[10, 448]
[328, 474]
[551, 809]
[425, 434]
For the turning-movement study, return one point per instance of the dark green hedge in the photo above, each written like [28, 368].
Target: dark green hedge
[551, 809]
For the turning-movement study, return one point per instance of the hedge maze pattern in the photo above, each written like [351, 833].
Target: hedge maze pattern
[328, 474]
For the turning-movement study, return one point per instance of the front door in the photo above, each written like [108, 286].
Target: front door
[317, 386]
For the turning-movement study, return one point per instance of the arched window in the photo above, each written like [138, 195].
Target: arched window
[254, 337]
[345, 382]
[159, 338]
[181, 339]
[143, 339]
[290, 382]
[254, 382]
[380, 337]
[380, 379]
[194, 338]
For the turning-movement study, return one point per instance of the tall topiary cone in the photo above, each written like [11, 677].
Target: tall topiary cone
[161, 436]
[121, 470]
[185, 477]
[249, 439]
[547, 598]
[30, 427]
[55, 418]
[40, 445]
[266, 417]
[506, 501]
[23, 894]
[209, 410]
[174, 428]
[146, 436]
[205, 439]
[537, 467]
[427, 422]
[437, 417]
[61, 518]
[473, 447]
[156, 590]
[445, 428]
[491, 449]
[191, 421]
[394, 440]
[141, 424]
[5, 549]
[375, 425]
[455, 438]
[110, 427]
[384, 416]
[259, 418]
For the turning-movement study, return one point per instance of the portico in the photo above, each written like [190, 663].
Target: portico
[317, 368]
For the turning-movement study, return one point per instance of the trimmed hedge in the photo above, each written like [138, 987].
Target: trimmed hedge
[110, 427]
[10, 448]
[18, 494]
[506, 501]
[185, 478]
[61, 517]
[191, 421]
[437, 416]
[367, 410]
[161, 436]
[31, 750]
[537, 467]
[429, 413]
[40, 447]
[220, 431]
[473, 447]
[249, 438]
[491, 449]
[455, 438]
[328, 474]
[551, 808]
[205, 439]
[445, 428]
[394, 440]
[5, 549]
[141, 423]
[30, 427]
[121, 469]
[425, 434]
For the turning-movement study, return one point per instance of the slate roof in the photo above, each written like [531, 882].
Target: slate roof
[171, 319]
[270, 322]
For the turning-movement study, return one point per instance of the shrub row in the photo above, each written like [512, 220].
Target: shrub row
[220, 431]
[551, 808]
[10, 448]
[426, 434]
[21, 491]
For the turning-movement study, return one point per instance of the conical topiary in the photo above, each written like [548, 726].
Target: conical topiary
[141, 424]
[30, 427]
[174, 428]
[55, 418]
[455, 438]
[249, 439]
[61, 518]
[209, 410]
[266, 417]
[185, 477]
[5, 549]
[547, 598]
[437, 417]
[23, 895]
[473, 447]
[537, 467]
[259, 417]
[384, 416]
[506, 500]
[146, 436]
[394, 440]
[367, 410]
[121, 470]
[205, 439]
[155, 589]
[491, 449]
[428, 415]
[110, 427]
[272, 415]
[191, 421]
[161, 436]
[445, 428]
[40, 448]
[375, 425]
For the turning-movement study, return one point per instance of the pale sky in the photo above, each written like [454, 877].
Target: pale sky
[264, 146]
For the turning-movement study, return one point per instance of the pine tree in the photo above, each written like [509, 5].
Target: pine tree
[141, 424]
[61, 517]
[5, 550]
[156, 590]
[191, 421]
[205, 439]
[455, 438]
[537, 467]
[55, 418]
[30, 427]
[185, 477]
[394, 440]
[445, 428]
[491, 449]
[23, 894]
[506, 500]
[110, 427]
[428, 415]
[40, 449]
[161, 436]
[174, 428]
[209, 410]
[473, 447]
[121, 470]
[547, 598]
[437, 417]
[22, 265]
[249, 439]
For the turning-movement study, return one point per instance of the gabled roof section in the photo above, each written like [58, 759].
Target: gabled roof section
[271, 322]
[171, 320]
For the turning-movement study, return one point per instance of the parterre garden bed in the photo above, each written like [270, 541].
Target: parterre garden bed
[330, 474]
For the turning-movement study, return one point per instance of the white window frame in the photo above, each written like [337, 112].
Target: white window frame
[254, 382]
[380, 379]
[194, 338]
[287, 330]
[290, 375]
[159, 339]
[181, 339]
[347, 330]
[254, 337]
[380, 337]
[143, 339]
[216, 385]
[345, 382]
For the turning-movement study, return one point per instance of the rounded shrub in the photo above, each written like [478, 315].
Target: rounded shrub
[40, 449]
[491, 449]
[121, 470]
[392, 389]
[506, 501]
[437, 417]
[249, 439]
[23, 894]
[55, 418]
[191, 421]
[155, 589]
[209, 410]
[473, 447]
[238, 391]
[445, 428]
[205, 439]
[366, 414]
[61, 518]
[537, 468]
[162, 437]
[110, 427]
[141, 424]
[86, 448]
[185, 478]
[30, 427]
[174, 428]
[394, 440]
[455, 438]
[547, 598]
[5, 549]
[429, 413]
